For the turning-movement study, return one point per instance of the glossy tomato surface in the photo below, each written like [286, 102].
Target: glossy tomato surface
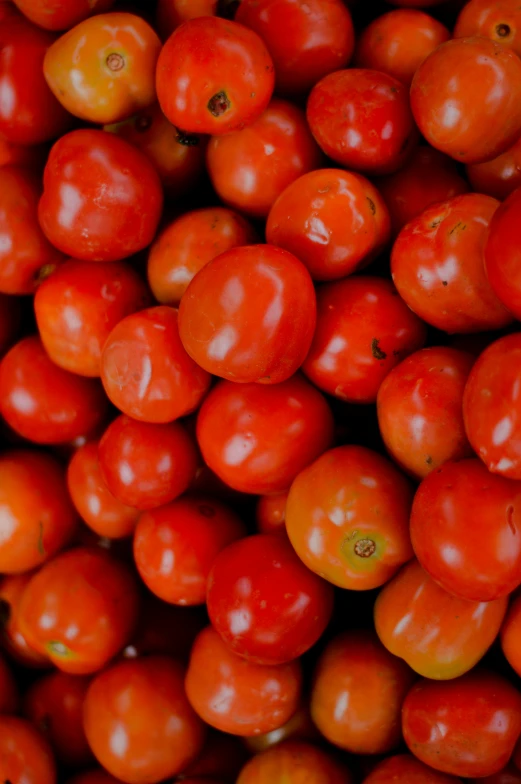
[61, 14]
[406, 768]
[502, 253]
[500, 176]
[295, 761]
[171, 13]
[499, 20]
[25, 756]
[13, 641]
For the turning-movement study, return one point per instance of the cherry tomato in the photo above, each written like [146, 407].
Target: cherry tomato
[25, 757]
[499, 20]
[299, 727]
[466, 99]
[347, 516]
[334, 221]
[257, 438]
[467, 726]
[439, 635]
[138, 721]
[61, 14]
[214, 76]
[511, 635]
[238, 696]
[297, 762]
[222, 756]
[102, 197]
[405, 768]
[502, 254]
[80, 609]
[145, 370]
[363, 330]
[97, 776]
[188, 243]
[270, 513]
[12, 639]
[171, 13]
[500, 176]
[8, 690]
[176, 545]
[10, 317]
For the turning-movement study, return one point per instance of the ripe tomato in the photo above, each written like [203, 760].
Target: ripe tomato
[238, 696]
[467, 726]
[500, 176]
[270, 513]
[347, 516]
[499, 20]
[25, 756]
[171, 13]
[299, 727]
[405, 768]
[363, 330]
[439, 635]
[138, 721]
[80, 609]
[61, 14]
[102, 197]
[502, 253]
[511, 635]
[145, 370]
[214, 76]
[97, 776]
[295, 761]
[176, 545]
[509, 775]
[12, 639]
[334, 221]
[188, 243]
[249, 315]
[466, 99]
[257, 438]
[8, 689]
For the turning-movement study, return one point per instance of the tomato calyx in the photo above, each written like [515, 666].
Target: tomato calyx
[59, 649]
[503, 30]
[115, 61]
[219, 104]
[365, 548]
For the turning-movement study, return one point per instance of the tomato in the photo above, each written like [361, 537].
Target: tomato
[8, 689]
[439, 635]
[347, 516]
[18, 155]
[249, 315]
[466, 99]
[238, 696]
[10, 317]
[97, 776]
[407, 769]
[12, 639]
[61, 14]
[222, 756]
[511, 635]
[176, 545]
[214, 76]
[363, 330]
[80, 609]
[299, 727]
[334, 221]
[257, 438]
[270, 513]
[499, 20]
[102, 197]
[362, 120]
[25, 757]
[145, 370]
[188, 243]
[509, 775]
[467, 726]
[171, 13]
[138, 721]
[295, 761]
[500, 176]
[502, 254]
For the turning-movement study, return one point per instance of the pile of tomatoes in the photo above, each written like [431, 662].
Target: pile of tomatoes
[260, 392]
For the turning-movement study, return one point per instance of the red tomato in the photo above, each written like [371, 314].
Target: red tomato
[61, 14]
[347, 517]
[295, 761]
[511, 635]
[363, 330]
[466, 99]
[499, 20]
[25, 757]
[509, 775]
[145, 370]
[10, 317]
[407, 769]
[8, 690]
[138, 721]
[270, 513]
[102, 197]
[214, 76]
[500, 176]
[334, 221]
[176, 545]
[171, 13]
[467, 726]
[257, 438]
[12, 639]
[502, 253]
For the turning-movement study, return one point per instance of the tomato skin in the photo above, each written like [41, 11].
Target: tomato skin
[363, 330]
[146, 347]
[466, 99]
[206, 72]
[176, 545]
[12, 640]
[347, 516]
[8, 689]
[257, 438]
[295, 761]
[408, 769]
[334, 221]
[500, 176]
[511, 635]
[470, 742]
[232, 694]
[270, 513]
[502, 254]
[25, 757]
[60, 14]
[499, 20]
[102, 197]
[171, 13]
[144, 702]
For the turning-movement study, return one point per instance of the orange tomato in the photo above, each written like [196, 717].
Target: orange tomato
[295, 762]
[13, 641]
[25, 757]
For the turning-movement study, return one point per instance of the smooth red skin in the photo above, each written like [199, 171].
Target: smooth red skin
[491, 408]
[171, 13]
[208, 56]
[427, 177]
[270, 513]
[98, 776]
[144, 702]
[437, 266]
[262, 600]
[13, 641]
[249, 315]
[147, 465]
[466, 727]
[175, 546]
[145, 370]
[54, 705]
[235, 695]
[295, 761]
[42, 402]
[10, 317]
[38, 517]
[344, 359]
[362, 120]
[397, 42]
[466, 99]
[26, 256]
[25, 757]
[250, 168]
[511, 635]
[102, 197]
[32, 114]
[222, 756]
[257, 438]
[334, 221]
[61, 14]
[407, 769]
[8, 689]
[85, 590]
[488, 18]
[96, 505]
[503, 255]
[500, 176]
